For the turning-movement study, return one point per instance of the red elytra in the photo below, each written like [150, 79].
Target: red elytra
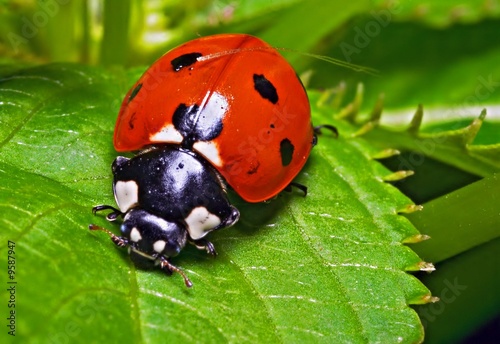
[242, 92]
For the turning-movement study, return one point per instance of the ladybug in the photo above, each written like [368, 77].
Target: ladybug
[219, 111]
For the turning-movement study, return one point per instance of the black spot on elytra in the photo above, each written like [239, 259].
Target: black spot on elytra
[286, 151]
[184, 61]
[265, 88]
[131, 121]
[194, 125]
[253, 169]
[134, 92]
[272, 126]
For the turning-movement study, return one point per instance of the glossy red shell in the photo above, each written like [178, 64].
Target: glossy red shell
[262, 145]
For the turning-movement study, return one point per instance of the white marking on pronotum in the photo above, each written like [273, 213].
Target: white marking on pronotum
[135, 235]
[200, 222]
[126, 194]
[159, 246]
[167, 134]
[209, 150]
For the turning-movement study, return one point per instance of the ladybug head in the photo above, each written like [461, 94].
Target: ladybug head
[151, 237]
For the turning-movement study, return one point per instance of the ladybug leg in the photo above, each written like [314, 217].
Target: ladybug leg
[203, 244]
[301, 187]
[317, 131]
[169, 268]
[111, 216]
[119, 241]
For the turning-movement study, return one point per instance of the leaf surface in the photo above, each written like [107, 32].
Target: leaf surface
[327, 267]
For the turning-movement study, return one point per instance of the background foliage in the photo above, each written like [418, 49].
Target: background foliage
[56, 127]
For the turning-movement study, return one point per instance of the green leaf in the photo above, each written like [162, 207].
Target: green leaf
[444, 13]
[458, 283]
[453, 147]
[328, 267]
[455, 230]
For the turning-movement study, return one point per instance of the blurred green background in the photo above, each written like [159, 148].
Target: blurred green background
[414, 44]
[444, 55]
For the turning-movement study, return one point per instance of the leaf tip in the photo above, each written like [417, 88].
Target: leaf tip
[398, 175]
[430, 299]
[352, 109]
[422, 300]
[416, 121]
[415, 239]
[410, 208]
[377, 109]
[482, 115]
[367, 127]
[386, 153]
[333, 96]
[426, 266]
[421, 266]
[473, 128]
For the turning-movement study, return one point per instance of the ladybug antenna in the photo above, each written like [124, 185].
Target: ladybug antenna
[332, 60]
[328, 59]
[224, 53]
